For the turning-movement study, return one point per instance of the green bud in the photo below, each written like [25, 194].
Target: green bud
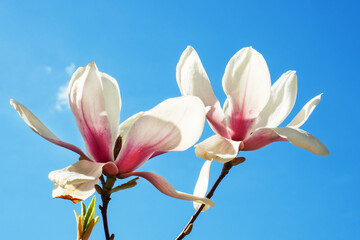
[83, 209]
[76, 215]
[129, 184]
[90, 213]
[86, 220]
[98, 189]
[96, 220]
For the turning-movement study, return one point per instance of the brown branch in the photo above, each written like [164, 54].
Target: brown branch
[105, 197]
[225, 170]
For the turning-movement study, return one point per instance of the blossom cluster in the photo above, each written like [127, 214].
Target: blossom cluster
[248, 120]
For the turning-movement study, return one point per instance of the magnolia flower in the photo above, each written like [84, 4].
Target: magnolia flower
[173, 125]
[253, 109]
[251, 113]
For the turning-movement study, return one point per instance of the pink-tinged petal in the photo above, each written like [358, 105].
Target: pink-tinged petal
[174, 125]
[281, 102]
[305, 112]
[261, 138]
[218, 148]
[246, 82]
[298, 137]
[303, 139]
[202, 184]
[76, 182]
[165, 187]
[95, 101]
[216, 119]
[127, 124]
[37, 126]
[193, 81]
[123, 131]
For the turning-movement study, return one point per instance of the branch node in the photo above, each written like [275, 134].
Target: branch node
[188, 229]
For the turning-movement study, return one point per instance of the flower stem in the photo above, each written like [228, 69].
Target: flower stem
[105, 197]
[225, 170]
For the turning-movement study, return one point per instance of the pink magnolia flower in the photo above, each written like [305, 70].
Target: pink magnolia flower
[251, 113]
[173, 125]
[253, 109]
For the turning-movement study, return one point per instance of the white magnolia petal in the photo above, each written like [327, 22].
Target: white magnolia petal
[281, 102]
[303, 139]
[247, 84]
[202, 184]
[217, 148]
[193, 81]
[80, 172]
[76, 182]
[75, 193]
[127, 124]
[95, 101]
[305, 112]
[226, 109]
[112, 99]
[37, 126]
[166, 188]
[174, 125]
[180, 120]
[76, 76]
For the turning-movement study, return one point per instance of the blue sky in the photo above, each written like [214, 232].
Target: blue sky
[280, 192]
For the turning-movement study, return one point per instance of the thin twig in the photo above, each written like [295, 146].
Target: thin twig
[225, 170]
[105, 197]
[103, 209]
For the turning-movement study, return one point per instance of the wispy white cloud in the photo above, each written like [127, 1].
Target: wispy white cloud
[70, 69]
[48, 69]
[62, 101]
[62, 98]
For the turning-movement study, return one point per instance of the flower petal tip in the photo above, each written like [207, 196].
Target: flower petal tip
[92, 64]
[189, 48]
[326, 153]
[14, 104]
